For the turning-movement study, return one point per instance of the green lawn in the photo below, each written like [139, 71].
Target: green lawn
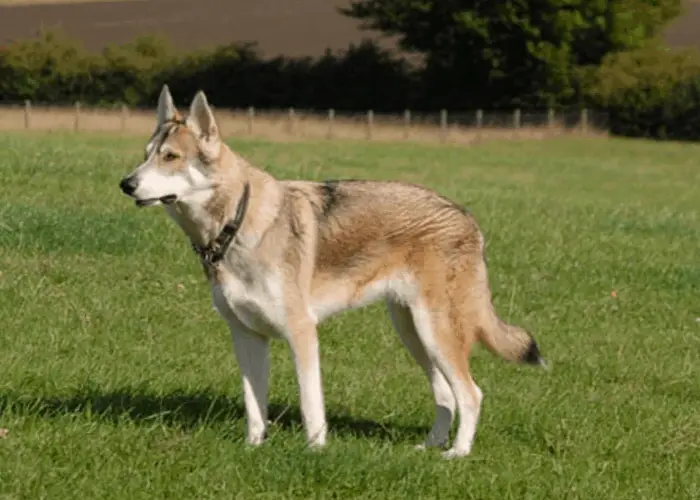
[118, 380]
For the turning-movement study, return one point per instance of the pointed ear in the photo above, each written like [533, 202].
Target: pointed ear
[202, 119]
[166, 106]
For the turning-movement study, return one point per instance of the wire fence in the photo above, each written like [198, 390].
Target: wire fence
[441, 126]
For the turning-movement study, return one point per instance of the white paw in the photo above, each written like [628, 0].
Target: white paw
[316, 446]
[317, 439]
[317, 443]
[255, 440]
[453, 453]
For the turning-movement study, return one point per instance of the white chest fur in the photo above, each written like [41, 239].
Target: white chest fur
[254, 298]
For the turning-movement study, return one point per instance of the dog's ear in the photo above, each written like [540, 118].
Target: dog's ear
[203, 123]
[166, 106]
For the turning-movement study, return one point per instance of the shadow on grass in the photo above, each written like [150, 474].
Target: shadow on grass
[188, 410]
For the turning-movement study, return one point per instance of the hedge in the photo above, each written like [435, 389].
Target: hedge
[55, 69]
[649, 92]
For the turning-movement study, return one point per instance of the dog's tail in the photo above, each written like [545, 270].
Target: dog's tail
[510, 342]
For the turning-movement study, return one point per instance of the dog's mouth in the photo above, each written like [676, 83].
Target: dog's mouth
[165, 200]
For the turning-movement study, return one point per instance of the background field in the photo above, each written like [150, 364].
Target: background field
[298, 28]
[117, 380]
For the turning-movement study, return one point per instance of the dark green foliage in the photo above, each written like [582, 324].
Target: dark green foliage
[650, 92]
[53, 69]
[363, 77]
[131, 73]
[516, 52]
[50, 68]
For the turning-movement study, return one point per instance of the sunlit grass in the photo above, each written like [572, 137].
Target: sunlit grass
[117, 380]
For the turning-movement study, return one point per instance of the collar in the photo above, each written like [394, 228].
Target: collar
[215, 251]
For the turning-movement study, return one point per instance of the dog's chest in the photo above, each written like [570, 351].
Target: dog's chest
[252, 297]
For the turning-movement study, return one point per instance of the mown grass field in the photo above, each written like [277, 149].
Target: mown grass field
[117, 379]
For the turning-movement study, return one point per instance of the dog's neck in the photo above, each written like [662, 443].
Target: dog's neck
[203, 215]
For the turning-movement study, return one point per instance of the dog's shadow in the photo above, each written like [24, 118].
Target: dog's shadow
[189, 410]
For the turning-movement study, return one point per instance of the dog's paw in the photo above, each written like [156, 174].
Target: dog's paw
[314, 448]
[255, 440]
[453, 453]
[317, 444]
[316, 440]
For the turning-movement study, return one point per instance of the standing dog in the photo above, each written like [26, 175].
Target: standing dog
[282, 256]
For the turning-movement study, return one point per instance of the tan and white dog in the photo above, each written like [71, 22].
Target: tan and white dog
[282, 256]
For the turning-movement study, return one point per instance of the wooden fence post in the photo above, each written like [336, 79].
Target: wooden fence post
[331, 118]
[406, 123]
[76, 123]
[516, 118]
[124, 116]
[251, 119]
[370, 124]
[27, 114]
[479, 123]
[443, 125]
[290, 121]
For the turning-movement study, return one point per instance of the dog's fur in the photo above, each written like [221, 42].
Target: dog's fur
[307, 250]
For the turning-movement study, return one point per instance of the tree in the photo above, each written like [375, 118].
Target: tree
[512, 52]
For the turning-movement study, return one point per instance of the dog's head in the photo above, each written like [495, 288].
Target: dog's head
[180, 156]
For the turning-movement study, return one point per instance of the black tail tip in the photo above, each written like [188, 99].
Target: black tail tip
[532, 356]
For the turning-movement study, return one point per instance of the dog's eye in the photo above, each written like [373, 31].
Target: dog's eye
[170, 156]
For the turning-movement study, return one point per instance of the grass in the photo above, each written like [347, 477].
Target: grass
[117, 380]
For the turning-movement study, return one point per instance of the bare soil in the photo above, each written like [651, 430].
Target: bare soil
[684, 31]
[289, 27]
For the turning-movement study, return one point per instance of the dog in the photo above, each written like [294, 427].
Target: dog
[281, 256]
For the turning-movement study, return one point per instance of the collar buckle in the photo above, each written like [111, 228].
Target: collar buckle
[215, 251]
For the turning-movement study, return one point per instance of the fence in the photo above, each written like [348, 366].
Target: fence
[444, 126]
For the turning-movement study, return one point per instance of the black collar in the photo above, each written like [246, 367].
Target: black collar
[215, 251]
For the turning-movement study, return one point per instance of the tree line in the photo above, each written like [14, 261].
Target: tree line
[474, 54]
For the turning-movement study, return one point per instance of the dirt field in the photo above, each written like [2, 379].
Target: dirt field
[49, 2]
[290, 27]
[684, 32]
[293, 28]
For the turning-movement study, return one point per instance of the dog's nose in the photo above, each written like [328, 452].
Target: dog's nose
[128, 185]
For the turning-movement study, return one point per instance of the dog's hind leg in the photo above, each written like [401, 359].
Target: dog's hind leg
[253, 355]
[446, 345]
[442, 392]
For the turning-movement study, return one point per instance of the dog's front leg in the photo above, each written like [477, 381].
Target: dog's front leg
[253, 355]
[303, 341]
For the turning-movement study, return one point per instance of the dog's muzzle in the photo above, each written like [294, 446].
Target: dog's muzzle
[128, 185]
